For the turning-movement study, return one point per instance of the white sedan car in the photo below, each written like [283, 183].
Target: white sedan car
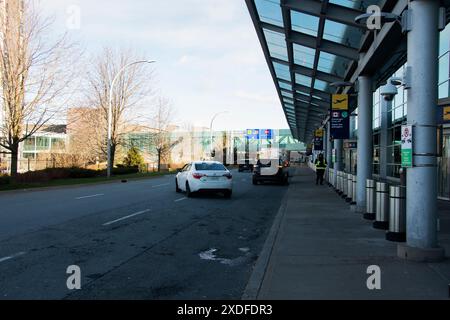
[203, 176]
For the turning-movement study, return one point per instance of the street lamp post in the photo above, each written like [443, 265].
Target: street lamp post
[210, 131]
[111, 90]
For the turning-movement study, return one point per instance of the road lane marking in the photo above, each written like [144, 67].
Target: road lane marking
[161, 185]
[182, 199]
[12, 257]
[126, 217]
[92, 196]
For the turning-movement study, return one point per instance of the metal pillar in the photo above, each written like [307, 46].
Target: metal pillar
[423, 43]
[329, 153]
[365, 140]
[385, 138]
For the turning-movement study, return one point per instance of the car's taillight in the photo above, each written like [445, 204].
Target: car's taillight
[197, 175]
[228, 175]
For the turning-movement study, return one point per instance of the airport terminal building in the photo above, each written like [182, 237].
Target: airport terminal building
[373, 76]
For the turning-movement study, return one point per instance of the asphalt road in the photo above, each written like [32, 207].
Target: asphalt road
[138, 240]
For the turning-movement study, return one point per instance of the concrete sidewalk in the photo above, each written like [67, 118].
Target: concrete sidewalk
[319, 249]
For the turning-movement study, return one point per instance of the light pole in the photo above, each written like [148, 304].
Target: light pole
[210, 130]
[111, 90]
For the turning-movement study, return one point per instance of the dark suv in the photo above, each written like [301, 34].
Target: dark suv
[261, 172]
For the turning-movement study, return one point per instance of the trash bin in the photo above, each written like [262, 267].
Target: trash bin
[370, 200]
[382, 206]
[397, 214]
[355, 180]
[349, 188]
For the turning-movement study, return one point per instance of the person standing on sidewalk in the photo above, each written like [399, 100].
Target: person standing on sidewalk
[321, 166]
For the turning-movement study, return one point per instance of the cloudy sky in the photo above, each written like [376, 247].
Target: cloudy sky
[208, 56]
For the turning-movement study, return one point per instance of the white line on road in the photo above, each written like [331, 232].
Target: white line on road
[182, 199]
[93, 196]
[127, 217]
[12, 257]
[161, 185]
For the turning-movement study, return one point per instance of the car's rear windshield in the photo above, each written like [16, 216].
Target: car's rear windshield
[209, 167]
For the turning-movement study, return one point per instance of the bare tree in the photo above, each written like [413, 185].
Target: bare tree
[36, 73]
[163, 126]
[130, 93]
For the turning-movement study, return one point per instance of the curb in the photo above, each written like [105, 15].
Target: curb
[254, 284]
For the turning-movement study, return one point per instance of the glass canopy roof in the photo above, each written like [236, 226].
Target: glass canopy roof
[308, 45]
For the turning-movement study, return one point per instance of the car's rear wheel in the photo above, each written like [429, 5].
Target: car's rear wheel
[188, 191]
[255, 182]
[228, 194]
[177, 189]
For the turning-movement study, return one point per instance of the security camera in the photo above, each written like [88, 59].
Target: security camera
[388, 91]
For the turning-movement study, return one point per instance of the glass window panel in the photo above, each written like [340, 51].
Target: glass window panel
[287, 94]
[304, 23]
[444, 40]
[444, 67]
[304, 56]
[354, 4]
[286, 86]
[303, 93]
[321, 85]
[282, 71]
[376, 96]
[303, 80]
[333, 64]
[277, 44]
[341, 33]
[270, 11]
[286, 100]
[444, 90]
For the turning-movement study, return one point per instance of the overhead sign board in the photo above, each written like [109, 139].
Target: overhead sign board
[318, 139]
[260, 134]
[252, 134]
[340, 117]
[266, 134]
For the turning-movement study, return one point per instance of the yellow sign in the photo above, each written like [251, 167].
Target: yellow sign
[339, 101]
[320, 133]
[446, 114]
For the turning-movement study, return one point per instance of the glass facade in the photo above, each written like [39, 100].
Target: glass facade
[398, 111]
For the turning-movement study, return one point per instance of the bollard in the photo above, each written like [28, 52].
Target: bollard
[330, 177]
[370, 200]
[344, 185]
[397, 215]
[349, 188]
[355, 180]
[336, 187]
[339, 190]
[382, 206]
